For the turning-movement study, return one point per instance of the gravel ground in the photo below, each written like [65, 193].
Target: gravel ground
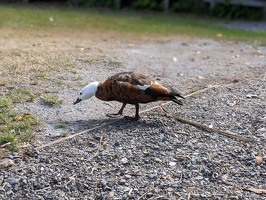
[156, 157]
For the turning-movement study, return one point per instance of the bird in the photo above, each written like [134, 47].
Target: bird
[129, 88]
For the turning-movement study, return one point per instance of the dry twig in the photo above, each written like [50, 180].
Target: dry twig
[244, 139]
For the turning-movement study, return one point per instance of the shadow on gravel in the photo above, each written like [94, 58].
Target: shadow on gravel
[83, 125]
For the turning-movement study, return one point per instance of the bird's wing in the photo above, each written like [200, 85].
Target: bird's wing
[133, 78]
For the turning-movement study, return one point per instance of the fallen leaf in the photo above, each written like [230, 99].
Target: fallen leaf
[256, 190]
[258, 159]
[200, 77]
[219, 35]
[22, 116]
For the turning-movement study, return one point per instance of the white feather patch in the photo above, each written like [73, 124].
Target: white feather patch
[143, 87]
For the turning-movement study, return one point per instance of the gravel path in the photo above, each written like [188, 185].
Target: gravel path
[156, 157]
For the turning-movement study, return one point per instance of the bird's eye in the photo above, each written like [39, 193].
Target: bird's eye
[80, 93]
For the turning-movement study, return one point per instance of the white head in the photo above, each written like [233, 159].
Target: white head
[87, 92]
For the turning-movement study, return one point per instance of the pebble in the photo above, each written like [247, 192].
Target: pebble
[13, 181]
[122, 181]
[126, 189]
[124, 161]
[5, 163]
[111, 194]
[151, 176]
[158, 160]
[127, 176]
[172, 164]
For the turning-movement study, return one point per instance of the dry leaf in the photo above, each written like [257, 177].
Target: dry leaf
[22, 116]
[200, 77]
[258, 159]
[256, 190]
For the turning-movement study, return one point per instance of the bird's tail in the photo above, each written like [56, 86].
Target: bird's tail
[177, 100]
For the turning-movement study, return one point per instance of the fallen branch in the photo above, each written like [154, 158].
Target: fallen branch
[244, 139]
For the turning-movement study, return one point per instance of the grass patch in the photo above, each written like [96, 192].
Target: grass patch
[127, 22]
[191, 91]
[51, 100]
[59, 125]
[21, 94]
[13, 127]
[114, 63]
[64, 134]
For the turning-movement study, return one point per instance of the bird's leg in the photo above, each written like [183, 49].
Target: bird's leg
[137, 117]
[120, 112]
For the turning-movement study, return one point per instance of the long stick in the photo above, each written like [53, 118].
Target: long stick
[244, 139]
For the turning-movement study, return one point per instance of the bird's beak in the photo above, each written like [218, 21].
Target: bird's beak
[77, 101]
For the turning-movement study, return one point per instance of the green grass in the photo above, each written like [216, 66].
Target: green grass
[14, 128]
[51, 100]
[140, 23]
[59, 125]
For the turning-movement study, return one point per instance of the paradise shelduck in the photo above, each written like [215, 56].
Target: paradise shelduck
[129, 88]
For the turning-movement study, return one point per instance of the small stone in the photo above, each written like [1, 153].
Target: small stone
[158, 160]
[172, 164]
[199, 177]
[117, 144]
[1, 179]
[151, 176]
[4, 163]
[124, 161]
[170, 189]
[122, 181]
[175, 184]
[111, 194]
[156, 148]
[126, 189]
[127, 176]
[13, 181]
[15, 188]
[72, 178]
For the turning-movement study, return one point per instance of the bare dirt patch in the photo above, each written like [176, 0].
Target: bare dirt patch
[148, 158]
